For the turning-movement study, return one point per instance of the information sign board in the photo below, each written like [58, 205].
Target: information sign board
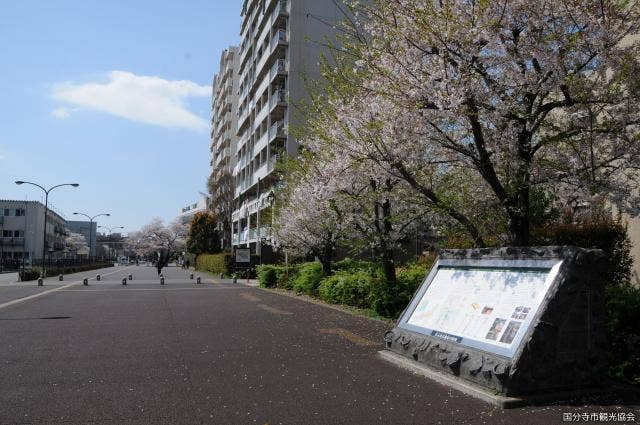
[489, 307]
[243, 255]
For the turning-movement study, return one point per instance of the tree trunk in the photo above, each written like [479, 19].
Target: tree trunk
[326, 256]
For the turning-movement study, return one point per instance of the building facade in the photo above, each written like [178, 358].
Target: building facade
[21, 231]
[187, 212]
[88, 230]
[281, 44]
[224, 122]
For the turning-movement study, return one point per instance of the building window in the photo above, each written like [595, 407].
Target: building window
[20, 212]
[7, 212]
[7, 233]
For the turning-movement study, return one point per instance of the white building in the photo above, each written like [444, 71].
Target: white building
[188, 211]
[224, 123]
[280, 46]
[22, 229]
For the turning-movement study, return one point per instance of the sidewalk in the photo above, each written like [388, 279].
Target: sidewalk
[6, 278]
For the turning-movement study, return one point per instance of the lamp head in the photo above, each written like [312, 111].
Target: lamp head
[19, 182]
[75, 184]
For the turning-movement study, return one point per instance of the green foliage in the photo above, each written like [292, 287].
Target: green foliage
[34, 273]
[350, 288]
[349, 265]
[29, 274]
[623, 329]
[203, 235]
[622, 300]
[389, 299]
[267, 276]
[212, 263]
[308, 277]
[609, 236]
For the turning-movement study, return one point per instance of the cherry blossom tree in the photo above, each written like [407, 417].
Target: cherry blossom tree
[308, 220]
[157, 240]
[506, 98]
[74, 242]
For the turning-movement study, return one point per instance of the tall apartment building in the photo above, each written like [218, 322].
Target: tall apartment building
[281, 43]
[224, 139]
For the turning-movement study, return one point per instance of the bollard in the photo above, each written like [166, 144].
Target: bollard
[40, 282]
[85, 281]
[198, 281]
[191, 276]
[161, 280]
[124, 280]
[130, 277]
[61, 278]
[98, 278]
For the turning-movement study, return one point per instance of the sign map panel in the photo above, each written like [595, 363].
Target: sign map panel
[486, 308]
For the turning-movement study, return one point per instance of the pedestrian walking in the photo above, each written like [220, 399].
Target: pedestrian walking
[187, 264]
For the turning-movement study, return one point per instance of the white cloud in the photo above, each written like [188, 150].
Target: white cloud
[61, 113]
[150, 100]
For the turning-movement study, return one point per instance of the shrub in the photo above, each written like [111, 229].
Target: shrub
[351, 288]
[623, 329]
[389, 299]
[308, 277]
[609, 236]
[349, 265]
[29, 274]
[212, 263]
[267, 276]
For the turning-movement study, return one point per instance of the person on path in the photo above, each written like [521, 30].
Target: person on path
[187, 264]
[159, 266]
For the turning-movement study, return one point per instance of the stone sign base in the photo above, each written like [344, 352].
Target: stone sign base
[563, 344]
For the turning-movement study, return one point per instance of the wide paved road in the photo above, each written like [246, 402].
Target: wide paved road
[213, 353]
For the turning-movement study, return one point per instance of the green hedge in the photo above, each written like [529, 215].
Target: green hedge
[29, 274]
[34, 273]
[213, 263]
[350, 288]
[307, 278]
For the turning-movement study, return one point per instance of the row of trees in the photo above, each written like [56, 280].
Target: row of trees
[476, 118]
[158, 240]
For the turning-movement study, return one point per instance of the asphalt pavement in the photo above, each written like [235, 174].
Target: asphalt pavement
[214, 353]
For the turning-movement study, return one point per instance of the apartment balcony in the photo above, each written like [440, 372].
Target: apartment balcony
[242, 119]
[12, 241]
[261, 116]
[261, 143]
[262, 171]
[278, 97]
[279, 67]
[272, 162]
[279, 38]
[277, 129]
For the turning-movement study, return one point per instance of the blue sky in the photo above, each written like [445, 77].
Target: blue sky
[114, 95]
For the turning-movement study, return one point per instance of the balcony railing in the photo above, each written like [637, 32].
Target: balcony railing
[279, 37]
[279, 65]
[277, 130]
[279, 96]
[10, 241]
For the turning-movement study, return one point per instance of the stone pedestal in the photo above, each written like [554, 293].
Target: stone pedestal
[560, 346]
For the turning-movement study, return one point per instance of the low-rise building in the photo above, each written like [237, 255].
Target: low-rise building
[22, 228]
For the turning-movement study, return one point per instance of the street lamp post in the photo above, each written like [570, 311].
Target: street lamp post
[110, 229]
[46, 210]
[91, 226]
